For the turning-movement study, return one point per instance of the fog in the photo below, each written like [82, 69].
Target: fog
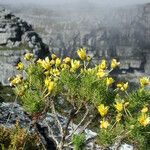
[55, 2]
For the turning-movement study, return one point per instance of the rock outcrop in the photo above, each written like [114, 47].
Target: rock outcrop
[10, 112]
[7, 64]
[16, 38]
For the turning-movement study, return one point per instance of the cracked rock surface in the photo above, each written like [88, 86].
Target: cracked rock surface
[10, 112]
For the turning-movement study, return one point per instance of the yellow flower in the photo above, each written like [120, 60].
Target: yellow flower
[123, 86]
[119, 85]
[144, 81]
[28, 56]
[104, 124]
[119, 106]
[109, 81]
[64, 66]
[50, 84]
[46, 64]
[58, 62]
[16, 80]
[144, 109]
[56, 72]
[103, 110]
[53, 56]
[89, 58]
[82, 53]
[47, 73]
[21, 92]
[20, 66]
[90, 71]
[118, 117]
[101, 73]
[67, 60]
[144, 120]
[52, 62]
[114, 63]
[103, 64]
[40, 61]
[47, 80]
[75, 64]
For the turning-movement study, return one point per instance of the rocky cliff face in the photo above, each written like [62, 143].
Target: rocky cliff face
[7, 64]
[16, 38]
[123, 33]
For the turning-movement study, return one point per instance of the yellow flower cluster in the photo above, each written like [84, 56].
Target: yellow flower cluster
[109, 81]
[50, 84]
[67, 60]
[16, 80]
[82, 53]
[119, 106]
[101, 73]
[114, 63]
[102, 69]
[118, 117]
[53, 56]
[90, 71]
[103, 64]
[103, 110]
[58, 62]
[123, 86]
[144, 109]
[144, 118]
[75, 64]
[28, 56]
[144, 81]
[20, 66]
[104, 124]
[46, 63]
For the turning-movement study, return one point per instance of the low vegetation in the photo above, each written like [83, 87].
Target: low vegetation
[88, 91]
[18, 138]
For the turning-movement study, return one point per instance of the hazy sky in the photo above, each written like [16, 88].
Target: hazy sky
[102, 2]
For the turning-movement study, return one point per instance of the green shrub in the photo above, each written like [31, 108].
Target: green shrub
[79, 141]
[88, 92]
[18, 138]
